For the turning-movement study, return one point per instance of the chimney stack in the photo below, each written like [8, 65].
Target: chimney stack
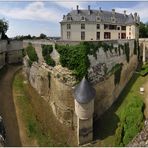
[100, 9]
[89, 11]
[124, 12]
[77, 7]
[113, 11]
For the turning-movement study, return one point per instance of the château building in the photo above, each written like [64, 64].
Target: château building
[93, 25]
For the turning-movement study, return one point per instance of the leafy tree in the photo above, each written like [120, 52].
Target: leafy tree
[143, 30]
[3, 28]
[42, 36]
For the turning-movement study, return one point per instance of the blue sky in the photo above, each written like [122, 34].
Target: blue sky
[43, 17]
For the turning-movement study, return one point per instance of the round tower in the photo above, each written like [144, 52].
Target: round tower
[84, 107]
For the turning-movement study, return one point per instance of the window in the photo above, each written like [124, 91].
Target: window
[123, 35]
[118, 35]
[69, 18]
[98, 36]
[68, 34]
[82, 35]
[123, 27]
[98, 19]
[118, 28]
[130, 29]
[98, 26]
[112, 27]
[107, 35]
[82, 26]
[82, 18]
[129, 33]
[68, 26]
[106, 26]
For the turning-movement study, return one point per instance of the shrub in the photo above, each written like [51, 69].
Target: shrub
[31, 53]
[75, 58]
[46, 51]
[127, 51]
[119, 134]
[23, 52]
[130, 122]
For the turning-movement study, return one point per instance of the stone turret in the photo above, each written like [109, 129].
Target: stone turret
[84, 108]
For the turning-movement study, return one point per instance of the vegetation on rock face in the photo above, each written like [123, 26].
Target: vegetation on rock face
[75, 57]
[31, 54]
[127, 51]
[116, 70]
[46, 51]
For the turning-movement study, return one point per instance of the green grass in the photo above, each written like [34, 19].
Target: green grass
[144, 70]
[38, 118]
[105, 127]
[34, 130]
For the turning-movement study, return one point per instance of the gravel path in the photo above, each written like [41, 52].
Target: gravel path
[7, 108]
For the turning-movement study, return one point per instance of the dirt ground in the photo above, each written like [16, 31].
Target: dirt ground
[7, 108]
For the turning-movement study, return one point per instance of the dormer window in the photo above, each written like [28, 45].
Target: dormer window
[113, 19]
[98, 19]
[69, 18]
[82, 18]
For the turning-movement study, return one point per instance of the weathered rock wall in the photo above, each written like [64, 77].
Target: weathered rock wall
[58, 89]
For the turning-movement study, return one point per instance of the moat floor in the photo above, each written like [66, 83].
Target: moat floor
[105, 127]
[7, 107]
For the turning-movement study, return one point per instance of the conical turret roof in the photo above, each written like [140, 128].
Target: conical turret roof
[83, 92]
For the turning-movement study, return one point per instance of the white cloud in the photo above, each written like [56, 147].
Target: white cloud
[70, 4]
[34, 11]
[140, 8]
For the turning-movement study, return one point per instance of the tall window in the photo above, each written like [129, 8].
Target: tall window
[107, 35]
[68, 26]
[118, 35]
[82, 35]
[98, 35]
[82, 26]
[68, 34]
[98, 26]
[123, 35]
[118, 28]
[106, 26]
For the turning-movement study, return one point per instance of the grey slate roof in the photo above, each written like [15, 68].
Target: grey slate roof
[83, 92]
[105, 16]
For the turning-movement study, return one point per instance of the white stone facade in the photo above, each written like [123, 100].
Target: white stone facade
[89, 29]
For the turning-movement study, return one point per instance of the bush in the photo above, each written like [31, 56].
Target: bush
[46, 51]
[31, 53]
[119, 134]
[75, 58]
[144, 70]
[130, 122]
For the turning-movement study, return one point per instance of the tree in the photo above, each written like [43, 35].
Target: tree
[143, 30]
[3, 28]
[42, 36]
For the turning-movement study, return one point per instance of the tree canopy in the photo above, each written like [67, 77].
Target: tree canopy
[143, 30]
[3, 28]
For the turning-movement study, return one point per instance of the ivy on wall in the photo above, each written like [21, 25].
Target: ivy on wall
[75, 57]
[127, 51]
[46, 51]
[31, 54]
[116, 70]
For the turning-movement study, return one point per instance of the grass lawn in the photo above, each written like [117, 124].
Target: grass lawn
[106, 126]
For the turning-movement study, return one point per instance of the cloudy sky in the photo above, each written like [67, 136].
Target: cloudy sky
[37, 17]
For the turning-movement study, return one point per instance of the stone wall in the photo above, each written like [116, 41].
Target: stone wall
[58, 89]
[10, 52]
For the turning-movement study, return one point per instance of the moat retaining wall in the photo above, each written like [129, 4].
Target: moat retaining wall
[59, 93]
[10, 52]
